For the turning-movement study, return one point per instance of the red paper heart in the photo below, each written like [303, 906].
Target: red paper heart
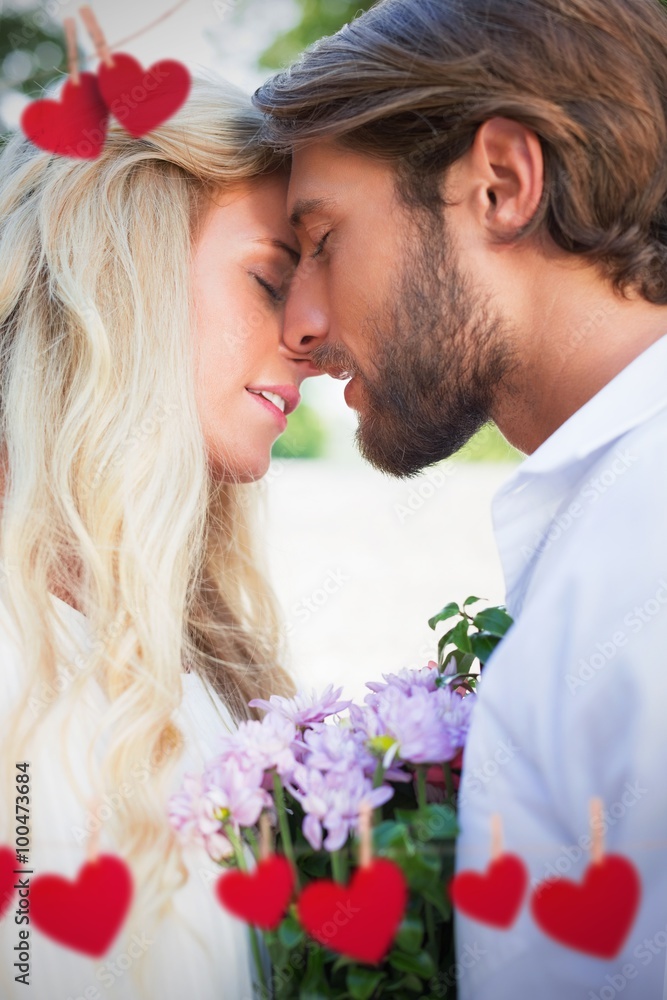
[358, 920]
[143, 99]
[7, 879]
[75, 126]
[593, 916]
[494, 896]
[260, 897]
[85, 914]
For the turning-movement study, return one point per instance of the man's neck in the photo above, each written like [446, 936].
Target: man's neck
[574, 345]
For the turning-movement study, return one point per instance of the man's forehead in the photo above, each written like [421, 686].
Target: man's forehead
[323, 174]
[314, 179]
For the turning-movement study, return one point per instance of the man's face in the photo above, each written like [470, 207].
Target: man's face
[379, 295]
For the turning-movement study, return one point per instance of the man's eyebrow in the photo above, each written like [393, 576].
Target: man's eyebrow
[308, 206]
[294, 254]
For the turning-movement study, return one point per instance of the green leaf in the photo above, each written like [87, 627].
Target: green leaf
[420, 965]
[464, 661]
[460, 637]
[390, 833]
[445, 640]
[436, 894]
[411, 983]
[493, 620]
[483, 645]
[362, 983]
[342, 962]
[421, 870]
[448, 611]
[290, 933]
[472, 600]
[436, 822]
[410, 934]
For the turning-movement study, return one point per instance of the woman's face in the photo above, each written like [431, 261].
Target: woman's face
[244, 258]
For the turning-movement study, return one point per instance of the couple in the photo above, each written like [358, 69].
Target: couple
[463, 206]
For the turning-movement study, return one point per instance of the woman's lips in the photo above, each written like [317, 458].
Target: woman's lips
[271, 408]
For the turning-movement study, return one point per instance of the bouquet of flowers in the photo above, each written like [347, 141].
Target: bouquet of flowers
[352, 901]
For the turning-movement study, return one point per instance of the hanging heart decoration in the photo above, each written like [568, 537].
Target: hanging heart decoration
[493, 897]
[359, 920]
[76, 125]
[87, 913]
[259, 897]
[7, 878]
[141, 99]
[593, 916]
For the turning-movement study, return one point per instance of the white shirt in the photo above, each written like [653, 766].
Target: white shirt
[573, 704]
[200, 952]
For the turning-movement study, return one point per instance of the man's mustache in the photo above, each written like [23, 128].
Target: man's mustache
[334, 360]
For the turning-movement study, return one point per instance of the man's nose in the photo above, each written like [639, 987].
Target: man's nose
[306, 318]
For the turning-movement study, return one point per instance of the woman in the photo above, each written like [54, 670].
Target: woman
[143, 383]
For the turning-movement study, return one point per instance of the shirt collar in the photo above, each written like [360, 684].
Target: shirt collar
[524, 507]
[632, 397]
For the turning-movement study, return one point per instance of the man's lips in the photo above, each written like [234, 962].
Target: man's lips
[338, 373]
[350, 392]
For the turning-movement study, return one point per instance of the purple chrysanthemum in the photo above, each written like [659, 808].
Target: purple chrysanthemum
[265, 744]
[226, 793]
[331, 801]
[304, 709]
[407, 721]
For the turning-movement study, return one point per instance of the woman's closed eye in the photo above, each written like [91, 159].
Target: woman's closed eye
[276, 295]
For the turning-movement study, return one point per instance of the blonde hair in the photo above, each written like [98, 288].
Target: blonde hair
[105, 464]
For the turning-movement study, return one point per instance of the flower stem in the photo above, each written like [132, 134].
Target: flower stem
[254, 942]
[253, 842]
[430, 931]
[449, 782]
[338, 866]
[378, 778]
[428, 907]
[421, 786]
[285, 834]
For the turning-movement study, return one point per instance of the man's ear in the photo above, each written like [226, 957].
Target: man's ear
[506, 168]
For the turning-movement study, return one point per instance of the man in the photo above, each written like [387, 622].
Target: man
[479, 188]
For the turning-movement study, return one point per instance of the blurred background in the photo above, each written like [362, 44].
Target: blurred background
[359, 561]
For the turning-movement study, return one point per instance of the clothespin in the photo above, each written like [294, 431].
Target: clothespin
[97, 35]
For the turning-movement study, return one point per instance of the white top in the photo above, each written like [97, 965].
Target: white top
[199, 953]
[573, 704]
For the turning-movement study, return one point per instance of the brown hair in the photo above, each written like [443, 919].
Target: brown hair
[411, 82]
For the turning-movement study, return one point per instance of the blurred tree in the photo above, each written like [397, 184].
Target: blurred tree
[32, 54]
[319, 18]
[488, 445]
[305, 437]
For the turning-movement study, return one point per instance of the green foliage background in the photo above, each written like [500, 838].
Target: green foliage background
[318, 18]
[27, 32]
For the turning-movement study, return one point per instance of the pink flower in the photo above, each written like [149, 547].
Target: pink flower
[226, 794]
[191, 815]
[407, 721]
[408, 680]
[266, 744]
[304, 709]
[331, 800]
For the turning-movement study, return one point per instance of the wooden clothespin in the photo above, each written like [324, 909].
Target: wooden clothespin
[97, 35]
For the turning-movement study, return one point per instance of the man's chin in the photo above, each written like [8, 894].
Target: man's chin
[390, 454]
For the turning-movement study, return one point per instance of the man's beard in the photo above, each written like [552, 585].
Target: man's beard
[439, 355]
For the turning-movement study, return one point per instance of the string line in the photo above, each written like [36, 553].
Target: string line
[149, 27]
